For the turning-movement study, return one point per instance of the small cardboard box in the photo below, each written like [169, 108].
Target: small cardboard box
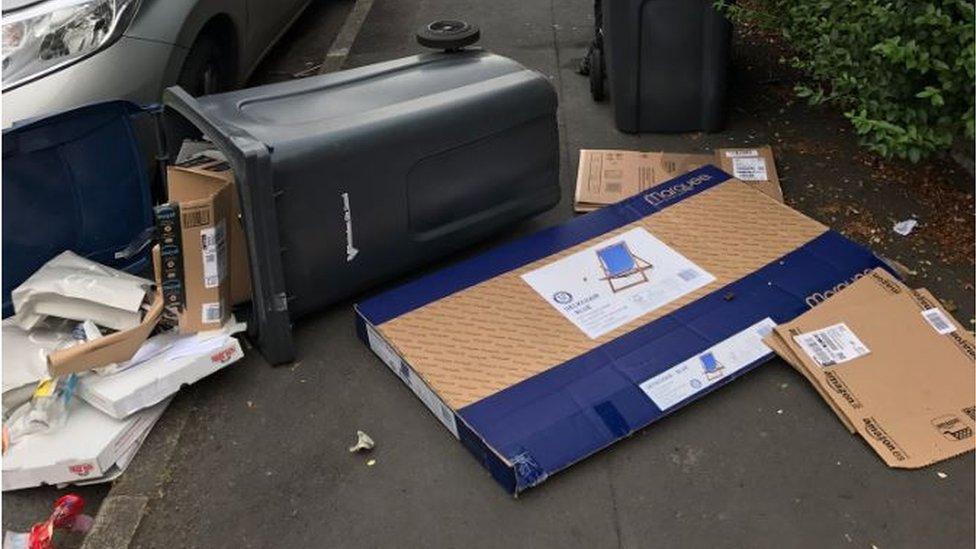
[609, 176]
[893, 365]
[91, 445]
[540, 352]
[240, 272]
[205, 206]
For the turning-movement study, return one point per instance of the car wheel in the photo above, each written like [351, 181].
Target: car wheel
[206, 69]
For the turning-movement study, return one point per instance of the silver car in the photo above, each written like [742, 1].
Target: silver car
[59, 54]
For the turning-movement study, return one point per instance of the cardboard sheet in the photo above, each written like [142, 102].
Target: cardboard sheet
[608, 176]
[117, 347]
[894, 364]
[184, 360]
[89, 446]
[544, 350]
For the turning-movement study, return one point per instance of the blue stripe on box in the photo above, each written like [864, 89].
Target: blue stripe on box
[560, 416]
[427, 289]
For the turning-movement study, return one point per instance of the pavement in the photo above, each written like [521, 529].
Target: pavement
[257, 456]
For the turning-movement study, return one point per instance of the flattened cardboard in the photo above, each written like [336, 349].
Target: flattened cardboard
[912, 396]
[609, 176]
[148, 383]
[784, 352]
[491, 346]
[754, 165]
[90, 446]
[116, 347]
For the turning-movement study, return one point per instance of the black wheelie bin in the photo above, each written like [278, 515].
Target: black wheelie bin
[666, 63]
[351, 178]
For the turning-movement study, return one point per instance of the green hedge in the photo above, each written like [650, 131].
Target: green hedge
[901, 70]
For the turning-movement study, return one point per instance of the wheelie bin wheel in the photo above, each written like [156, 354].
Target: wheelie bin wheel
[448, 35]
[595, 65]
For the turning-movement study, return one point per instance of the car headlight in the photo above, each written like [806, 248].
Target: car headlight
[50, 35]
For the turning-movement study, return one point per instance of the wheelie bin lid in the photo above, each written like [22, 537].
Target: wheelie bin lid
[75, 180]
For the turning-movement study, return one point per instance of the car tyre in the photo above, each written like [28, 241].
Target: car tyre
[206, 69]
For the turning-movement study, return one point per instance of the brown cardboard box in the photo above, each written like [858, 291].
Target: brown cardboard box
[894, 364]
[240, 272]
[609, 176]
[205, 209]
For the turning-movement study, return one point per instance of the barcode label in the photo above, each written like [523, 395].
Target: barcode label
[212, 312]
[939, 321]
[750, 169]
[213, 249]
[196, 218]
[741, 152]
[612, 186]
[832, 345]
[688, 274]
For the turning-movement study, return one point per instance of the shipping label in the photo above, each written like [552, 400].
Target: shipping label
[832, 345]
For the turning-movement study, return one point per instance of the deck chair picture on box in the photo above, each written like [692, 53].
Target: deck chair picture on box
[621, 265]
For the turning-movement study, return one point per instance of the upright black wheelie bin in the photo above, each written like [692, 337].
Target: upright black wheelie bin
[666, 63]
[351, 178]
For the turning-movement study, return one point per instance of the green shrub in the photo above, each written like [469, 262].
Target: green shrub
[901, 70]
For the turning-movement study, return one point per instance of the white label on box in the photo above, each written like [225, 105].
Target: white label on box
[409, 377]
[211, 312]
[832, 345]
[616, 281]
[750, 169]
[213, 248]
[939, 321]
[705, 369]
[742, 152]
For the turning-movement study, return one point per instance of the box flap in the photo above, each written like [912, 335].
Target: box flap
[115, 347]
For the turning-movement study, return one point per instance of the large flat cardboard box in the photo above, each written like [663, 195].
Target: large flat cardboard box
[540, 352]
[893, 364]
[609, 176]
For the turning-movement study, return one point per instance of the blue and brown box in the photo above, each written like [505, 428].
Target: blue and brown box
[543, 351]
